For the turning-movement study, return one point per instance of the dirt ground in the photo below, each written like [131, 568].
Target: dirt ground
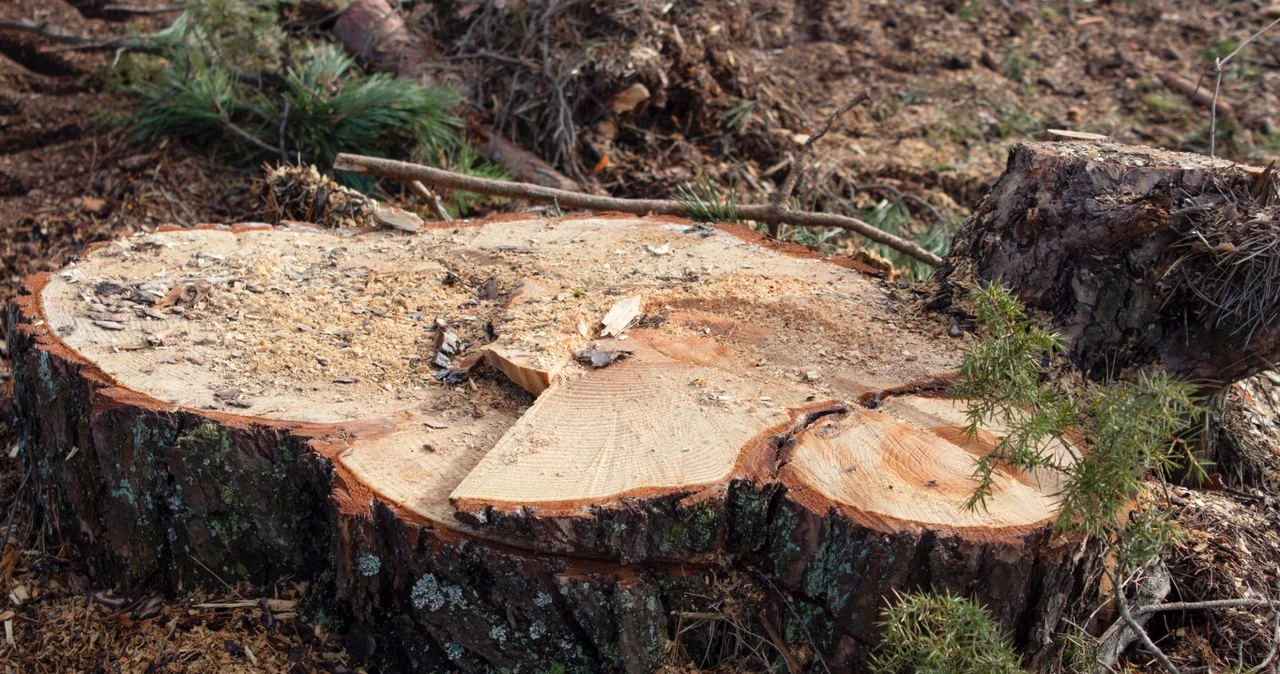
[733, 87]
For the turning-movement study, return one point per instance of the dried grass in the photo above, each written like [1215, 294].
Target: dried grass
[1230, 265]
[59, 625]
[1230, 550]
[724, 630]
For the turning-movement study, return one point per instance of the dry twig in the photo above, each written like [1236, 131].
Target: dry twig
[77, 41]
[1218, 65]
[797, 167]
[1127, 617]
[767, 213]
[433, 200]
[802, 157]
[1212, 603]
[1275, 641]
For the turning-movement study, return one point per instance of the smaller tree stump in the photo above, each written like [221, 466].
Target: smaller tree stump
[1138, 255]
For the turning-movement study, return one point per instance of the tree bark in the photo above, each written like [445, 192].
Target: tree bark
[1139, 256]
[436, 520]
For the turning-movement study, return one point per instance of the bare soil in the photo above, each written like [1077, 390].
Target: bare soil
[734, 87]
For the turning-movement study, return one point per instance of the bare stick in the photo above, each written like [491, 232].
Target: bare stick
[1213, 111]
[767, 213]
[1127, 617]
[797, 167]
[129, 9]
[78, 41]
[284, 124]
[1218, 65]
[433, 200]
[1211, 603]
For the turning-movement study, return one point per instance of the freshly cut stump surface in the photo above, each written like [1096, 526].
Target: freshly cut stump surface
[456, 423]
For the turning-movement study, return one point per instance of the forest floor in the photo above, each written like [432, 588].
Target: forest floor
[733, 87]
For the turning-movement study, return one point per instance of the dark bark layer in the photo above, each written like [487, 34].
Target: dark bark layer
[1107, 239]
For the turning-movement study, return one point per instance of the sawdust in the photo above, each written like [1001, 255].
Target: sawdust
[260, 321]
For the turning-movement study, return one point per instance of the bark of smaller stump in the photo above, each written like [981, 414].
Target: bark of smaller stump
[1099, 236]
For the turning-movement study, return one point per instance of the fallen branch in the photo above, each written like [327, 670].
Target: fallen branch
[766, 213]
[77, 41]
[1153, 587]
[1212, 603]
[1197, 95]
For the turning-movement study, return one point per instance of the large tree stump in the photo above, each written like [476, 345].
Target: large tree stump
[441, 428]
[1139, 255]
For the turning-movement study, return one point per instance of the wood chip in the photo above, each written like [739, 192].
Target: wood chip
[620, 316]
[630, 98]
[526, 369]
[93, 205]
[396, 218]
[109, 325]
[107, 316]
[345, 380]
[599, 359]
